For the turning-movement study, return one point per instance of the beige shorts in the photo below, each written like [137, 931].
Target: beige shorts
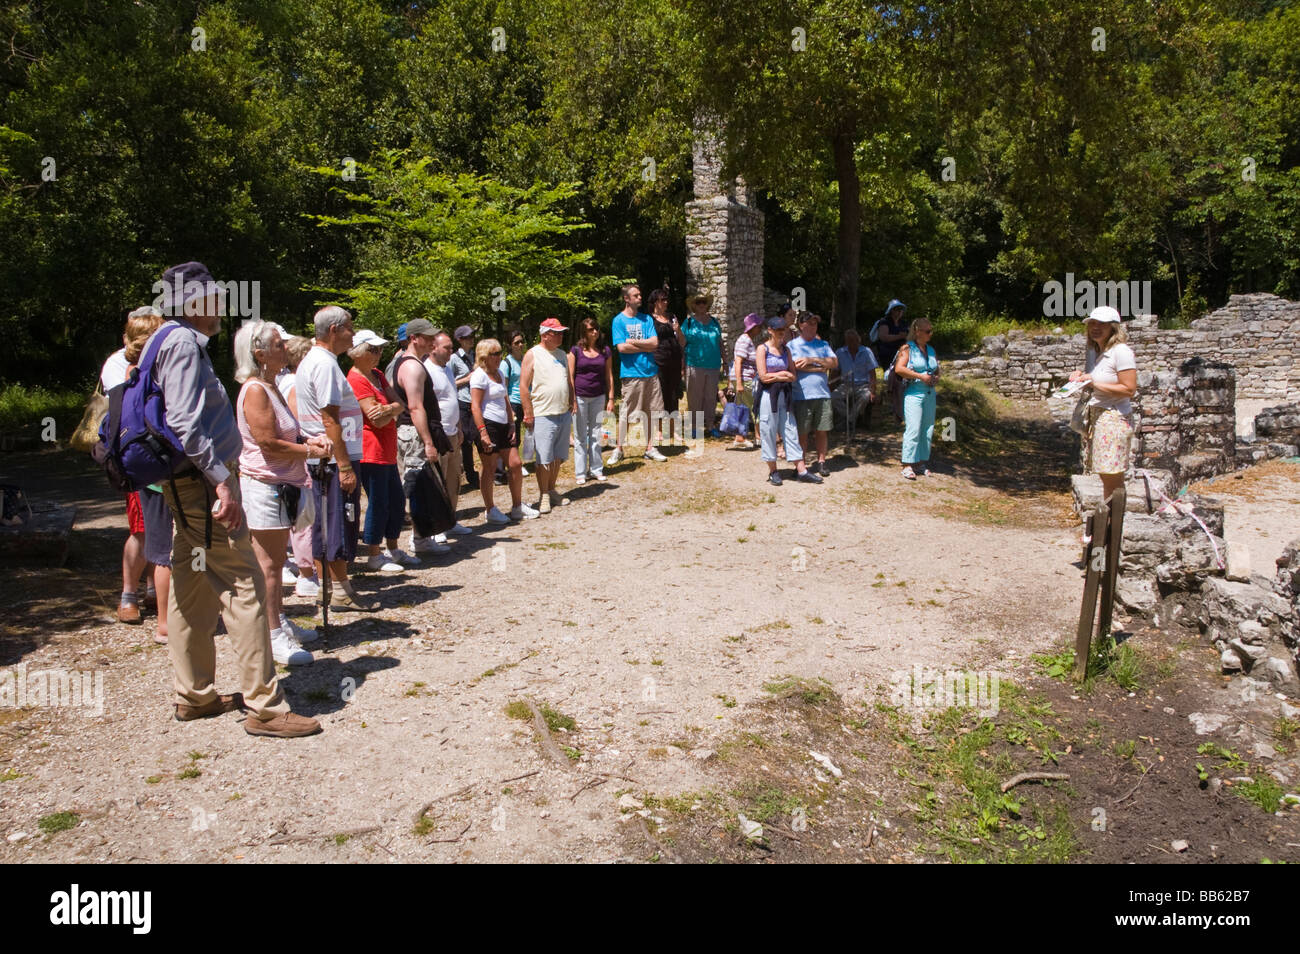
[643, 395]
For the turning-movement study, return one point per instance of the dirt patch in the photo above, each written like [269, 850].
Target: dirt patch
[923, 782]
[656, 635]
[1261, 509]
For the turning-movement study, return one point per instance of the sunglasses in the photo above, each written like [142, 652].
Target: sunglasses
[375, 349]
[494, 354]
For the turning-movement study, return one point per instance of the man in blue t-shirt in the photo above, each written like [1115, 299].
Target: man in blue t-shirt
[633, 334]
[856, 390]
[813, 361]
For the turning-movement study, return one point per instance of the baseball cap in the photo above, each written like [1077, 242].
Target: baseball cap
[421, 326]
[1104, 313]
[776, 321]
[553, 324]
[401, 333]
[464, 331]
[367, 337]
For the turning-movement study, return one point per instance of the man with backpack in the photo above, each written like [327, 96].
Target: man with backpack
[214, 570]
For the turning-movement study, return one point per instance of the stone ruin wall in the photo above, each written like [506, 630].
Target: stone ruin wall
[1258, 334]
[1184, 414]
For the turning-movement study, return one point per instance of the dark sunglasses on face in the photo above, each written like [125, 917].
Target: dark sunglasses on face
[494, 354]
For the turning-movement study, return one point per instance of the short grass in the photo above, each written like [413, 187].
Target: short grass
[58, 821]
[963, 759]
[554, 718]
[1123, 663]
[812, 692]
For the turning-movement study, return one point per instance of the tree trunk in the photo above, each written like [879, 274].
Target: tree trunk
[844, 310]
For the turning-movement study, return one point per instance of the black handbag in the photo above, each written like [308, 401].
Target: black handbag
[437, 515]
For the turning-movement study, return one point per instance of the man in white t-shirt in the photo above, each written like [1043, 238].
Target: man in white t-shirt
[326, 405]
[444, 387]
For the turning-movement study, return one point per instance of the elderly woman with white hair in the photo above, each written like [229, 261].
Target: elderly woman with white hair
[1110, 370]
[273, 478]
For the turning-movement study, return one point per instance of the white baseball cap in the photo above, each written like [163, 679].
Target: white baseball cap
[367, 337]
[1104, 313]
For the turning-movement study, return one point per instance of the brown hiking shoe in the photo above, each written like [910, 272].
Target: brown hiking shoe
[128, 613]
[289, 725]
[348, 599]
[216, 707]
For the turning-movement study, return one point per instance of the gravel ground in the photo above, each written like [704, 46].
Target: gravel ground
[651, 611]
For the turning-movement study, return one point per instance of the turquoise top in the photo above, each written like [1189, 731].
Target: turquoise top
[926, 363]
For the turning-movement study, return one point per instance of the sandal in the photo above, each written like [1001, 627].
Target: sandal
[908, 473]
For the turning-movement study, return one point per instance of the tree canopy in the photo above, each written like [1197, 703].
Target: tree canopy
[955, 155]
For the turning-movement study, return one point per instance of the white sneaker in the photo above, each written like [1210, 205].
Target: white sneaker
[652, 453]
[428, 545]
[307, 588]
[398, 555]
[379, 563]
[615, 457]
[496, 516]
[460, 530]
[580, 480]
[296, 632]
[524, 512]
[286, 650]
[524, 472]
[693, 454]
[598, 475]
[287, 576]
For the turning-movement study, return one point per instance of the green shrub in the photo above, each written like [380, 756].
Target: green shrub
[23, 406]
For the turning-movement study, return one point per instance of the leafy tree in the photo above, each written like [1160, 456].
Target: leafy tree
[460, 249]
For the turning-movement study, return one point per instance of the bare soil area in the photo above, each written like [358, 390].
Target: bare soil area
[689, 635]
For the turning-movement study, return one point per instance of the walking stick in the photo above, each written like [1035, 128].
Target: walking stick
[324, 478]
[850, 421]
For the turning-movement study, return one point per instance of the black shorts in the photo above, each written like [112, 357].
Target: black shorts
[501, 435]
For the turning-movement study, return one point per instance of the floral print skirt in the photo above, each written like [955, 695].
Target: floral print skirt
[1110, 439]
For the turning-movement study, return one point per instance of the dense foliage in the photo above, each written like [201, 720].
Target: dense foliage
[952, 154]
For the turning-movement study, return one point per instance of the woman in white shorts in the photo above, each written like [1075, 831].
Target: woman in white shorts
[1111, 370]
[272, 473]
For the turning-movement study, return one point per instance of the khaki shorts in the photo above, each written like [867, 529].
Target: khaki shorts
[813, 415]
[641, 394]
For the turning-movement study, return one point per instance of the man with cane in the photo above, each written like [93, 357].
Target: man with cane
[326, 405]
[857, 372]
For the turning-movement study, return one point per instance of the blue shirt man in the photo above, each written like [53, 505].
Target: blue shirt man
[637, 327]
[811, 381]
[857, 364]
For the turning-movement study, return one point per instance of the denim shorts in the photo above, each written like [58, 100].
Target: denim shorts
[551, 434]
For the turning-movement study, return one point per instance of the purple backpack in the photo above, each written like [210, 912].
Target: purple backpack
[136, 447]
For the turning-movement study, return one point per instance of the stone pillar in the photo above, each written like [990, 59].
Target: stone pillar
[724, 242]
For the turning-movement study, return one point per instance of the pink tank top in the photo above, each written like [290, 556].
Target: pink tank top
[252, 462]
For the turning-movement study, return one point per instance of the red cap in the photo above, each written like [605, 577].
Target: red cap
[553, 324]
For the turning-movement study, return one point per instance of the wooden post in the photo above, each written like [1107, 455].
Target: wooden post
[1088, 611]
[1114, 539]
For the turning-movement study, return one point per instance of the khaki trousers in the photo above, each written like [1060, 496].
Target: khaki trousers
[451, 466]
[221, 580]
